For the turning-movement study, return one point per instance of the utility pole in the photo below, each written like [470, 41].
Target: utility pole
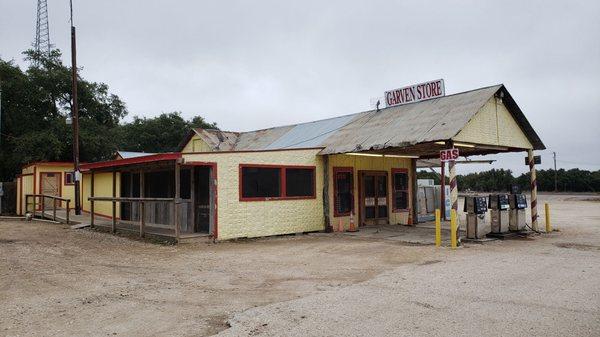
[75, 116]
[555, 174]
[0, 111]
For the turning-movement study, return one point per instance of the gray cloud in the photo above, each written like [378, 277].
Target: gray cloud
[256, 64]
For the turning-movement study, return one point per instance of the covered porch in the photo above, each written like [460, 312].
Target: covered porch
[154, 194]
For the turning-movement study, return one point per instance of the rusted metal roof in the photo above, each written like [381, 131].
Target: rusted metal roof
[395, 127]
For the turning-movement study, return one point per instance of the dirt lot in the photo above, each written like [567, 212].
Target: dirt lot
[56, 281]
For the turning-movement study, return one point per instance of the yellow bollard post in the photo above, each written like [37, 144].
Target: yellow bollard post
[548, 226]
[453, 242]
[438, 228]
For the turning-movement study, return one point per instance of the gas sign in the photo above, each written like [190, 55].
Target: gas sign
[449, 154]
[415, 93]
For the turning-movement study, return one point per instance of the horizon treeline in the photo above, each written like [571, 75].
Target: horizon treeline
[499, 180]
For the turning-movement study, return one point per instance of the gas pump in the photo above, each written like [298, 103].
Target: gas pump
[499, 206]
[518, 204]
[476, 208]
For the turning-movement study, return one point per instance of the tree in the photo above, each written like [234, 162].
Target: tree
[158, 134]
[37, 101]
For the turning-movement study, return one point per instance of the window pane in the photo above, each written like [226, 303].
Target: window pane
[260, 182]
[343, 190]
[299, 182]
[400, 181]
[401, 200]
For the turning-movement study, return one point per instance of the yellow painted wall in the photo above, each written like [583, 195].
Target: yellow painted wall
[102, 188]
[494, 125]
[374, 164]
[66, 191]
[262, 218]
[196, 144]
[27, 184]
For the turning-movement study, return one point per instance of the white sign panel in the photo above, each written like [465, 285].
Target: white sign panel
[449, 154]
[415, 93]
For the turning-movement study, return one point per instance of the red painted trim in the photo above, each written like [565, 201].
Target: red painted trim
[336, 170]
[246, 151]
[400, 170]
[282, 181]
[130, 161]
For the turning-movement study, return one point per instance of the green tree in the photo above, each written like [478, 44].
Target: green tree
[158, 134]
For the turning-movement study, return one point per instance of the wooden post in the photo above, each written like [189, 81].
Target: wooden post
[26, 204]
[414, 219]
[92, 201]
[68, 210]
[142, 206]
[114, 203]
[43, 206]
[34, 205]
[176, 200]
[54, 210]
[193, 197]
[534, 213]
[443, 191]
[326, 219]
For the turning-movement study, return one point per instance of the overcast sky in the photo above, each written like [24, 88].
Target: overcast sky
[255, 64]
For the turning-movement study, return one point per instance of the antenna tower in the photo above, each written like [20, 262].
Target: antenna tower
[42, 31]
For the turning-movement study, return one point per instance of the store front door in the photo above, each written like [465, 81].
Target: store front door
[373, 198]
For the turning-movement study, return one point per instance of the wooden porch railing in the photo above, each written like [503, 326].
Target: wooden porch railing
[43, 198]
[174, 218]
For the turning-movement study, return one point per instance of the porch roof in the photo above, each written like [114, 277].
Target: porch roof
[111, 164]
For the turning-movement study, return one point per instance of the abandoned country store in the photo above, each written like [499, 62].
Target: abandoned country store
[289, 179]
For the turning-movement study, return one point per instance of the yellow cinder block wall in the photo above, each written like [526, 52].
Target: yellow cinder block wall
[374, 164]
[263, 218]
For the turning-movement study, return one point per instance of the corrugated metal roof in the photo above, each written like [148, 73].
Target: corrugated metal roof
[436, 119]
[311, 134]
[131, 154]
[400, 126]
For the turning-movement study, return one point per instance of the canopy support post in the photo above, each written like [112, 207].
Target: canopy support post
[533, 181]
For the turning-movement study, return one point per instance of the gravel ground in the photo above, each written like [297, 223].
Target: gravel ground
[60, 282]
[545, 286]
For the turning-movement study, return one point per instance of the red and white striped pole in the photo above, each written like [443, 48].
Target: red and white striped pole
[534, 213]
[454, 196]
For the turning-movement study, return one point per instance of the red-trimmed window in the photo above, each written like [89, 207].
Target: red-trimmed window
[275, 182]
[343, 187]
[400, 189]
[69, 178]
